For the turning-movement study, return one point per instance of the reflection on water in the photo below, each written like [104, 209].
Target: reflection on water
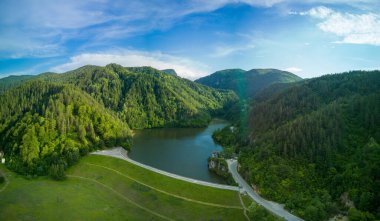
[182, 151]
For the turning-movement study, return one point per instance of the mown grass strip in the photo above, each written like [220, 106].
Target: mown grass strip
[245, 208]
[122, 196]
[164, 192]
[168, 184]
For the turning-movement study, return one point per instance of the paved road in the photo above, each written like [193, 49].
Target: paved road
[271, 206]
[120, 153]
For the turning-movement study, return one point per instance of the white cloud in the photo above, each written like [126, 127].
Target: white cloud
[318, 12]
[371, 68]
[54, 14]
[293, 69]
[222, 51]
[130, 58]
[270, 3]
[42, 22]
[352, 28]
[212, 5]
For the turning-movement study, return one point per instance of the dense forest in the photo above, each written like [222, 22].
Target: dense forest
[48, 121]
[170, 71]
[314, 146]
[247, 83]
[46, 127]
[145, 97]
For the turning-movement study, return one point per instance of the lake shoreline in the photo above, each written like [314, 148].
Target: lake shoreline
[182, 151]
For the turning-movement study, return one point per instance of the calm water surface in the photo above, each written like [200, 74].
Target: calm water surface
[181, 151]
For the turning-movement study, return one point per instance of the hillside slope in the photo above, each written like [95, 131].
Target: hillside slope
[170, 71]
[45, 127]
[247, 83]
[48, 121]
[316, 143]
[145, 97]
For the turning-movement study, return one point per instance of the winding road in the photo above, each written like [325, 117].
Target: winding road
[120, 153]
[275, 208]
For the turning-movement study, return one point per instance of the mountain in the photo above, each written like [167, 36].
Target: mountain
[48, 121]
[45, 127]
[314, 146]
[145, 97]
[170, 71]
[247, 83]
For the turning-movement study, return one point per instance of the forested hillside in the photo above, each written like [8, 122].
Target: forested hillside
[45, 127]
[145, 97]
[315, 146]
[170, 71]
[48, 121]
[247, 83]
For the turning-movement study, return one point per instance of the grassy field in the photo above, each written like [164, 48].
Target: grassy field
[246, 200]
[105, 188]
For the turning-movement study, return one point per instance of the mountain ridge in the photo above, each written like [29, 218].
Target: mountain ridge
[170, 71]
[124, 90]
[247, 83]
[48, 121]
[315, 141]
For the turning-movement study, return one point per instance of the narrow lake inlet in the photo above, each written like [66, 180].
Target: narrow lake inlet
[183, 151]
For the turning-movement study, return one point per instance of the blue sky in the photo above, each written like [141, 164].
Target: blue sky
[196, 37]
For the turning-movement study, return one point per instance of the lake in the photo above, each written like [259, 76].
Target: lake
[183, 151]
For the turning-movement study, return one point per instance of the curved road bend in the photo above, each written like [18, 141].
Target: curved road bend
[275, 208]
[120, 153]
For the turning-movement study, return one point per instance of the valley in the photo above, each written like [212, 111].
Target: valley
[296, 142]
[190, 110]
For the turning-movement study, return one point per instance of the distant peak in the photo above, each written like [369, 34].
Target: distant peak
[230, 71]
[114, 65]
[170, 71]
[265, 70]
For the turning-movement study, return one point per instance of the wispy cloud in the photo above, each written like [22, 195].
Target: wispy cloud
[293, 69]
[212, 5]
[222, 51]
[130, 58]
[55, 23]
[352, 28]
[62, 14]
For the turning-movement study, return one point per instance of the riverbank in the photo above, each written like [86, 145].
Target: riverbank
[120, 153]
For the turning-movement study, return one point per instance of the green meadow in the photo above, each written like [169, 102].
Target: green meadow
[106, 188]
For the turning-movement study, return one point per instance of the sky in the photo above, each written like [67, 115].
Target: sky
[196, 37]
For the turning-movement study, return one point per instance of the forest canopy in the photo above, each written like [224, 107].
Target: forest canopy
[314, 146]
[47, 122]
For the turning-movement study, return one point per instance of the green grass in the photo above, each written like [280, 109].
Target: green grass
[44, 199]
[178, 187]
[2, 184]
[246, 200]
[114, 190]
